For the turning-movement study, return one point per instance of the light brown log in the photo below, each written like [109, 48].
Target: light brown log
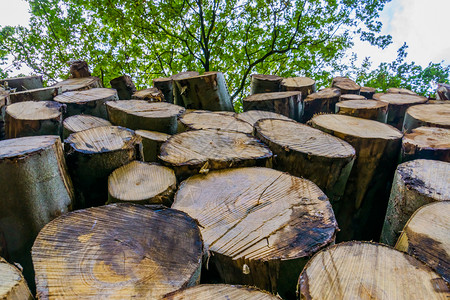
[79, 69]
[416, 183]
[305, 85]
[202, 119]
[199, 151]
[165, 85]
[79, 84]
[33, 118]
[117, 251]
[79, 123]
[324, 101]
[426, 143]
[431, 115]
[253, 116]
[220, 292]
[265, 84]
[366, 109]
[42, 94]
[260, 225]
[345, 97]
[400, 91]
[364, 270]
[377, 96]
[12, 283]
[289, 104]
[151, 143]
[22, 83]
[175, 91]
[346, 85]
[426, 236]
[367, 92]
[140, 114]
[124, 86]
[151, 94]
[366, 195]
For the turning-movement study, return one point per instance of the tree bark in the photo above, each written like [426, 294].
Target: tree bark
[79, 69]
[151, 143]
[324, 101]
[79, 84]
[220, 292]
[431, 115]
[289, 104]
[165, 85]
[177, 99]
[79, 123]
[261, 84]
[367, 92]
[151, 94]
[346, 85]
[200, 119]
[43, 94]
[22, 83]
[253, 116]
[124, 86]
[12, 283]
[366, 109]
[426, 143]
[305, 85]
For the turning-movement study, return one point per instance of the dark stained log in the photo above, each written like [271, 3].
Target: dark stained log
[367, 92]
[124, 86]
[12, 283]
[220, 292]
[79, 84]
[366, 109]
[400, 91]
[261, 84]
[288, 104]
[253, 116]
[165, 85]
[176, 93]
[443, 91]
[79, 123]
[346, 85]
[431, 115]
[151, 143]
[305, 85]
[323, 101]
[42, 94]
[426, 143]
[346, 97]
[150, 94]
[22, 83]
[201, 119]
[79, 69]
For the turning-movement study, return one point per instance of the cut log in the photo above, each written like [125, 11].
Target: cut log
[324, 101]
[443, 92]
[124, 86]
[416, 183]
[377, 96]
[151, 143]
[220, 292]
[89, 102]
[36, 188]
[366, 109]
[200, 151]
[261, 84]
[140, 114]
[165, 85]
[253, 116]
[426, 143]
[260, 225]
[79, 84]
[43, 94]
[305, 85]
[398, 104]
[426, 236]
[366, 195]
[346, 97]
[22, 83]
[33, 118]
[346, 85]
[151, 94]
[93, 154]
[364, 270]
[117, 251]
[400, 91]
[79, 123]
[79, 69]
[367, 92]
[431, 115]
[142, 183]
[176, 92]
[12, 283]
[201, 119]
[288, 104]
[208, 91]
[310, 153]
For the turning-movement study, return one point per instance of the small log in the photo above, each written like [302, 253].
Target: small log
[90, 102]
[443, 92]
[140, 114]
[398, 104]
[142, 183]
[426, 236]
[33, 118]
[261, 84]
[12, 283]
[176, 93]
[220, 292]
[165, 85]
[377, 96]
[79, 69]
[346, 97]
[79, 84]
[309, 153]
[324, 101]
[367, 92]
[366, 109]
[366, 195]
[259, 225]
[151, 94]
[305, 85]
[93, 154]
[416, 183]
[117, 251]
[364, 270]
[400, 91]
[79, 123]
[201, 119]
[151, 143]
[431, 115]
[124, 86]
[288, 104]
[426, 143]
[346, 85]
[42, 94]
[22, 83]
[253, 116]
[200, 151]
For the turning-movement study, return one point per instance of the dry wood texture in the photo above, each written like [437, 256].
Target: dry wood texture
[22, 83]
[117, 251]
[201, 119]
[42, 94]
[431, 115]
[427, 237]
[191, 152]
[79, 69]
[142, 183]
[140, 114]
[220, 292]
[400, 91]
[366, 109]
[93, 154]
[151, 143]
[288, 104]
[363, 270]
[426, 143]
[416, 183]
[79, 84]
[346, 85]
[79, 123]
[366, 195]
[310, 153]
[265, 84]
[305, 85]
[443, 92]
[33, 118]
[253, 116]
[367, 92]
[150, 94]
[165, 85]
[176, 93]
[124, 86]
[345, 97]
[324, 101]
[259, 225]
[12, 284]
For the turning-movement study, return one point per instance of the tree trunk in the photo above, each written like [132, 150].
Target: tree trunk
[12, 283]
[309, 153]
[288, 104]
[366, 195]
[140, 114]
[22, 83]
[324, 101]
[200, 119]
[367, 92]
[151, 143]
[124, 86]
[79, 84]
[365, 270]
[43, 94]
[416, 183]
[93, 154]
[165, 85]
[431, 115]
[346, 97]
[366, 109]
[426, 143]
[261, 84]
[177, 99]
[117, 251]
[36, 188]
[305, 85]
[79, 69]
[220, 292]
[151, 95]
[346, 85]
[33, 118]
[259, 225]
[79, 123]
[426, 237]
[400, 91]
[253, 116]
[89, 102]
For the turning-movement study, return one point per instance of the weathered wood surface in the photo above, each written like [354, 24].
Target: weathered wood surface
[220, 292]
[366, 109]
[259, 225]
[323, 101]
[345, 97]
[426, 143]
[22, 83]
[288, 104]
[150, 94]
[346, 85]
[124, 86]
[431, 115]
[400, 91]
[201, 119]
[117, 251]
[79, 84]
[443, 92]
[79, 69]
[165, 85]
[364, 270]
[416, 183]
[151, 143]
[261, 83]
[12, 283]
[367, 92]
[79, 123]
[177, 92]
[253, 116]
[42, 94]
[305, 85]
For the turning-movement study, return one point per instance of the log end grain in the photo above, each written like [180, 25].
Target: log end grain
[427, 143]
[79, 123]
[253, 116]
[220, 292]
[200, 119]
[12, 283]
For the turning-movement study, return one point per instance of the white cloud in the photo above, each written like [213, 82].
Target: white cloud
[14, 12]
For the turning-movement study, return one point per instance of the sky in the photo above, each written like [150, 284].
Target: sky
[422, 24]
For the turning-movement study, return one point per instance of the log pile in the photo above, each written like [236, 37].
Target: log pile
[346, 85]
[288, 104]
[124, 86]
[41, 94]
[261, 84]
[431, 115]
[324, 101]
[366, 109]
[426, 143]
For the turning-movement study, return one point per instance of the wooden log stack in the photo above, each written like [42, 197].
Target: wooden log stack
[261, 84]
[366, 109]
[323, 101]
[426, 143]
[200, 119]
[288, 104]
[431, 115]
[124, 86]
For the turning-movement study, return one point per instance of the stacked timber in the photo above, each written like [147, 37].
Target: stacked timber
[150, 94]
[79, 123]
[345, 97]
[260, 225]
[426, 143]
[151, 143]
[124, 86]
[261, 84]
[288, 104]
[400, 91]
[201, 119]
[366, 195]
[79, 69]
[416, 183]
[253, 116]
[220, 292]
[22, 83]
[79, 84]
[346, 85]
[176, 93]
[140, 114]
[117, 251]
[364, 270]
[12, 283]
[305, 85]
[165, 85]
[431, 115]
[366, 109]
[42, 94]
[324, 101]
[367, 92]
